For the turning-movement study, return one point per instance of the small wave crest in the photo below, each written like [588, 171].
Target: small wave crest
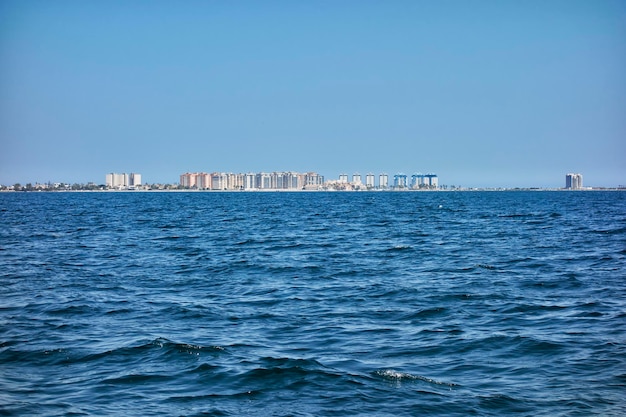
[161, 347]
[396, 376]
[399, 248]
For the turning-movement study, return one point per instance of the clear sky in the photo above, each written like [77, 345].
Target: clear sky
[483, 93]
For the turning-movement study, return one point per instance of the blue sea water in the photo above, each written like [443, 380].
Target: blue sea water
[313, 304]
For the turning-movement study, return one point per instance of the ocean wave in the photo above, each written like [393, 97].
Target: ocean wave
[310, 304]
[396, 376]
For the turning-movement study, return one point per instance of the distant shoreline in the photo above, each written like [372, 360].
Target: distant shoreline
[477, 189]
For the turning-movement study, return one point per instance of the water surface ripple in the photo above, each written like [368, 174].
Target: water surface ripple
[313, 304]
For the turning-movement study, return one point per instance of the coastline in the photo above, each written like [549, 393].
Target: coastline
[456, 190]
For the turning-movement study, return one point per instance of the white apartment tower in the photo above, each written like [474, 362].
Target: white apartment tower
[249, 181]
[573, 181]
[114, 180]
[383, 180]
[431, 180]
[134, 179]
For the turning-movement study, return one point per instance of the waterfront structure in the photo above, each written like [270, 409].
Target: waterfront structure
[218, 181]
[289, 180]
[383, 180]
[313, 181]
[134, 179]
[399, 181]
[203, 180]
[189, 180]
[251, 181]
[417, 181]
[369, 180]
[120, 181]
[573, 181]
[431, 180]
[114, 180]
[263, 181]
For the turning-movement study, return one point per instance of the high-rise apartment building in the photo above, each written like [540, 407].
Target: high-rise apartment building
[263, 181]
[203, 180]
[417, 180]
[280, 180]
[134, 179]
[114, 180]
[573, 181]
[431, 180]
[218, 181]
[249, 181]
[313, 181]
[188, 180]
[292, 181]
[383, 180]
[399, 181]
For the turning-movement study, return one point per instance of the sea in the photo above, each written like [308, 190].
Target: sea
[313, 303]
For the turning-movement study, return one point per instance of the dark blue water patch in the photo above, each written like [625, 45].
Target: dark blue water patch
[312, 304]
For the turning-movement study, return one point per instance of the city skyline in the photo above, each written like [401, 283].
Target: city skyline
[292, 180]
[487, 93]
[286, 181]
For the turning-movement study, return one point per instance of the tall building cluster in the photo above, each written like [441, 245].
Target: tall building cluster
[573, 181]
[121, 181]
[416, 181]
[252, 181]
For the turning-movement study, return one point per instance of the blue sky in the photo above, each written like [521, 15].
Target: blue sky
[483, 93]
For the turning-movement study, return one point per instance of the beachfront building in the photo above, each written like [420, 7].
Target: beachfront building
[431, 181]
[286, 181]
[199, 180]
[263, 181]
[289, 180]
[219, 181]
[383, 180]
[399, 181]
[313, 181]
[573, 181]
[417, 181]
[187, 180]
[251, 181]
[234, 181]
[123, 181]
[134, 179]
[202, 180]
[293, 181]
[369, 180]
[114, 180]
